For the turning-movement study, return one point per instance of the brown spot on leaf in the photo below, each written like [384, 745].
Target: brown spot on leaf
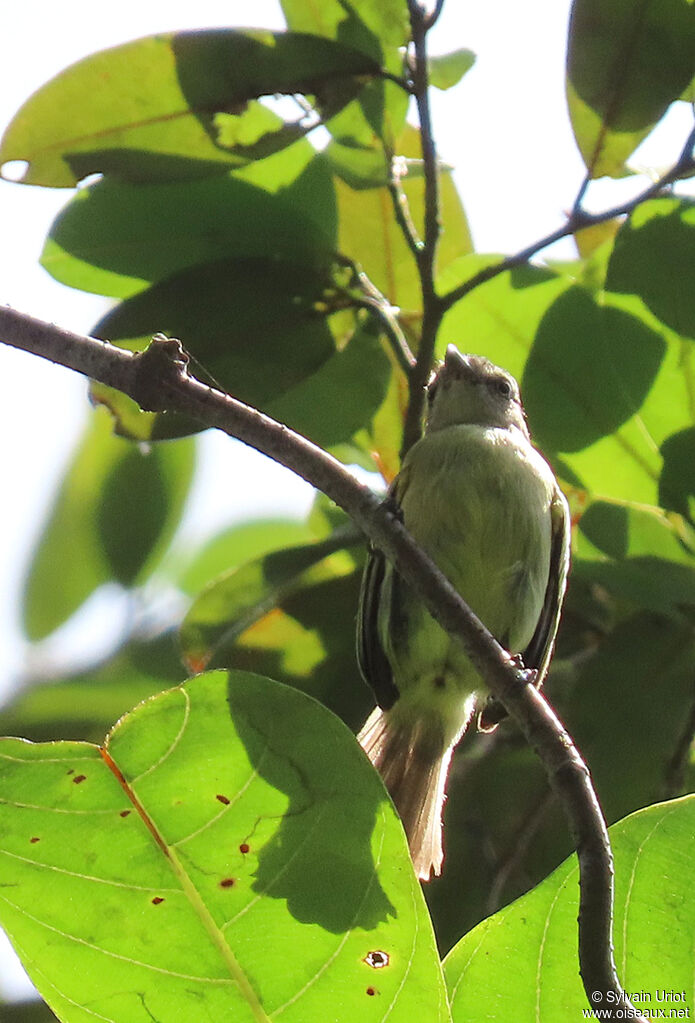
[377, 959]
[125, 813]
[79, 778]
[34, 839]
[222, 799]
[228, 882]
[156, 900]
[244, 848]
[371, 991]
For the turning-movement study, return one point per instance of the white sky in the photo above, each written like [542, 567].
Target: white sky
[505, 130]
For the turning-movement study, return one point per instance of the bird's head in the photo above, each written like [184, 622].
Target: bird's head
[471, 389]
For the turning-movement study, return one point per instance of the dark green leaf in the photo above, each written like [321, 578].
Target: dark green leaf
[116, 511]
[653, 253]
[344, 394]
[114, 237]
[677, 480]
[530, 942]
[278, 864]
[257, 325]
[622, 531]
[448, 70]
[177, 105]
[626, 62]
[590, 370]
[664, 587]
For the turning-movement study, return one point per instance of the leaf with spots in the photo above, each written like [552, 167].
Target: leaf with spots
[227, 854]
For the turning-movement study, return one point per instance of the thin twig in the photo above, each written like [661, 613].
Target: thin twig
[426, 253]
[432, 18]
[577, 220]
[401, 212]
[370, 298]
[158, 380]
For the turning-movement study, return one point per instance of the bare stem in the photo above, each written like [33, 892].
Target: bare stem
[159, 381]
[426, 252]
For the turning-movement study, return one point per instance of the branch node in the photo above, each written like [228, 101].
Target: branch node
[162, 364]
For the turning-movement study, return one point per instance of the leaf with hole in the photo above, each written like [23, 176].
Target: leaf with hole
[228, 854]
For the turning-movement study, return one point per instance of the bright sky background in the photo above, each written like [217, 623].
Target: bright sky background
[505, 130]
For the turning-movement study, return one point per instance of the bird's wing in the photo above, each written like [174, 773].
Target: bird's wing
[372, 660]
[539, 651]
[371, 656]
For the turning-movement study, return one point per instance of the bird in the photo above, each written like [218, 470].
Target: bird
[485, 505]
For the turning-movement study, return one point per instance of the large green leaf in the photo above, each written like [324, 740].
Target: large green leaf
[589, 371]
[112, 519]
[177, 105]
[230, 854]
[529, 943]
[114, 238]
[344, 394]
[627, 60]
[257, 325]
[653, 253]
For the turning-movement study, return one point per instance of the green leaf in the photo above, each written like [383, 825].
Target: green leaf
[590, 370]
[230, 855]
[626, 62]
[621, 531]
[639, 554]
[177, 105]
[677, 480]
[258, 326]
[448, 70]
[114, 238]
[652, 250]
[371, 26]
[330, 406]
[112, 519]
[499, 319]
[242, 596]
[530, 942]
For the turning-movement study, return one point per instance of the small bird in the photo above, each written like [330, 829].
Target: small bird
[485, 505]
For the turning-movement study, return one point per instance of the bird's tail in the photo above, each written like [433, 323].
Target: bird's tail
[414, 767]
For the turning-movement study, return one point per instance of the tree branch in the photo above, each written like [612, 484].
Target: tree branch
[158, 380]
[426, 252]
[577, 220]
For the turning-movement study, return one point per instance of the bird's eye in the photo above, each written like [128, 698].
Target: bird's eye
[503, 387]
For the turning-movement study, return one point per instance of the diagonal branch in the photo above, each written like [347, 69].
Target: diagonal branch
[158, 380]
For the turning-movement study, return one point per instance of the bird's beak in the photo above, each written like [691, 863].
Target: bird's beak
[456, 363]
